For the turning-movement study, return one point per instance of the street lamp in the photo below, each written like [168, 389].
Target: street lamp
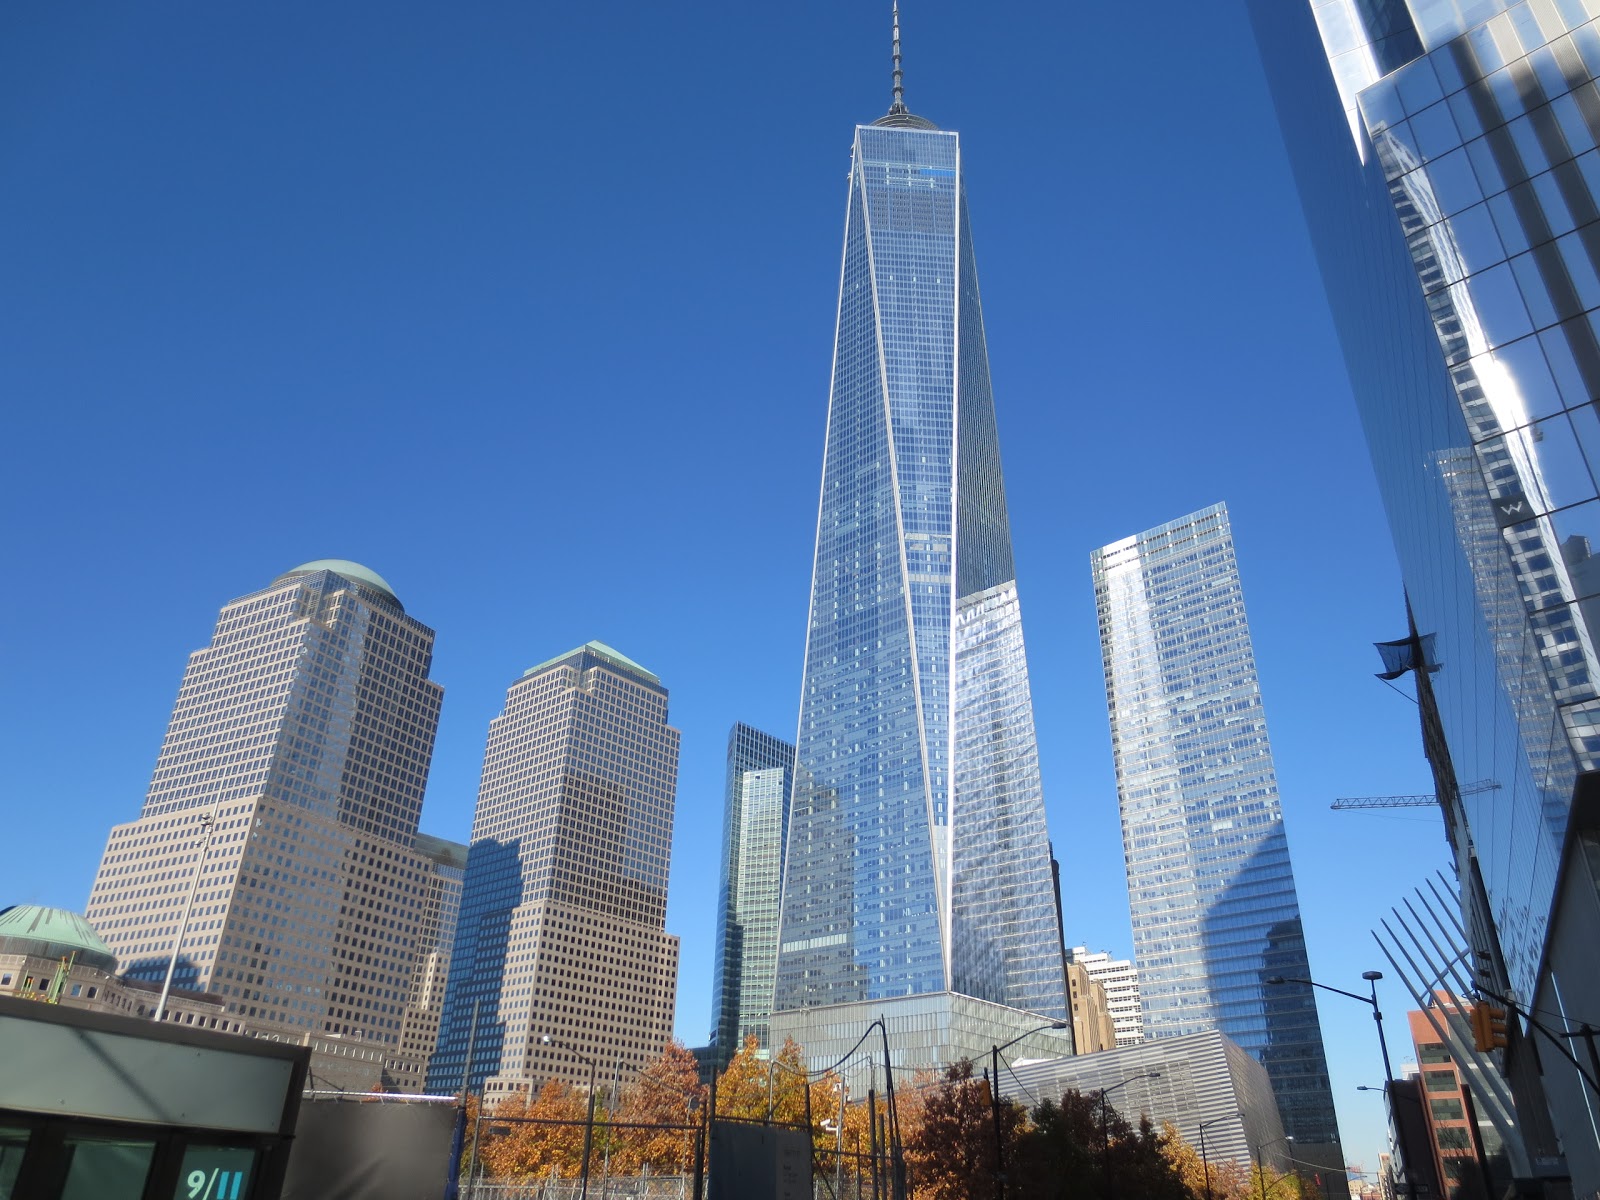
[1261, 1174]
[588, 1124]
[1372, 978]
[1205, 1162]
[994, 1102]
[1105, 1131]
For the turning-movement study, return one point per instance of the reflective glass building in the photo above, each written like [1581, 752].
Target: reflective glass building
[303, 732]
[1445, 154]
[755, 825]
[918, 864]
[562, 929]
[1215, 913]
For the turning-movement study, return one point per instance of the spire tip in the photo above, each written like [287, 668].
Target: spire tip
[899, 105]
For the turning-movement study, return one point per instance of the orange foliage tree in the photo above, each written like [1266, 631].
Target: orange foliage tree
[667, 1093]
[522, 1149]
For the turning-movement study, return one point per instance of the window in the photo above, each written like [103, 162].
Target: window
[1446, 1110]
[1440, 1081]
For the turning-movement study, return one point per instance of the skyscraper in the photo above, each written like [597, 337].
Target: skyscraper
[562, 933]
[755, 825]
[1215, 912]
[438, 904]
[1120, 978]
[917, 878]
[1446, 157]
[303, 733]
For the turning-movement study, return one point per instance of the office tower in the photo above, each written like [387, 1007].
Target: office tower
[917, 879]
[562, 933]
[438, 904]
[295, 761]
[1215, 912]
[1120, 978]
[1445, 155]
[1468, 1152]
[1092, 1029]
[755, 825]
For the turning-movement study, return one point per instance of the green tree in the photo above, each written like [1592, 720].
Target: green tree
[1082, 1149]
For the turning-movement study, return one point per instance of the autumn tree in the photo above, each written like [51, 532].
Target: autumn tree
[1224, 1179]
[519, 1139]
[742, 1086]
[667, 1094]
[949, 1138]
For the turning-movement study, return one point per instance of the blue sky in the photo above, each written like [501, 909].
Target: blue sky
[529, 308]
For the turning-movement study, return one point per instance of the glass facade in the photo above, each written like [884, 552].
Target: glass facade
[755, 827]
[917, 860]
[303, 733]
[1215, 913]
[561, 933]
[1459, 238]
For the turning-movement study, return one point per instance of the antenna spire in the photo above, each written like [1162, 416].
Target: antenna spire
[899, 105]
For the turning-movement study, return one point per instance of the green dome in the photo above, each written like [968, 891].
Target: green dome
[52, 933]
[350, 570]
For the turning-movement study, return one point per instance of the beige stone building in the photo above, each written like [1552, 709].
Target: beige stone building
[1120, 978]
[1092, 1029]
[563, 917]
[290, 783]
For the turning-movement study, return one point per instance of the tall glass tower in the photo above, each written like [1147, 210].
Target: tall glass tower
[1215, 913]
[1447, 155]
[917, 879]
[755, 825]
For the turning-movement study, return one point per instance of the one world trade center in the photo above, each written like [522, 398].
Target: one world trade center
[917, 880]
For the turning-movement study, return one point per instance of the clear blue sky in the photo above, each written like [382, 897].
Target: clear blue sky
[529, 308]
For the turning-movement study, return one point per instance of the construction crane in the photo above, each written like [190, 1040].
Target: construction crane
[1349, 802]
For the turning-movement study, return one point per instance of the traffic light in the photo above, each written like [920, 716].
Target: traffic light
[1488, 1026]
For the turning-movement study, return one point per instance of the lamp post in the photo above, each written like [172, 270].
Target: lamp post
[1372, 978]
[208, 827]
[1105, 1124]
[588, 1123]
[1205, 1163]
[1261, 1173]
[994, 1102]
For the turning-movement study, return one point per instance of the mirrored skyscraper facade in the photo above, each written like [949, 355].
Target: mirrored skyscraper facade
[1215, 912]
[1446, 157]
[562, 928]
[918, 864]
[755, 827]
